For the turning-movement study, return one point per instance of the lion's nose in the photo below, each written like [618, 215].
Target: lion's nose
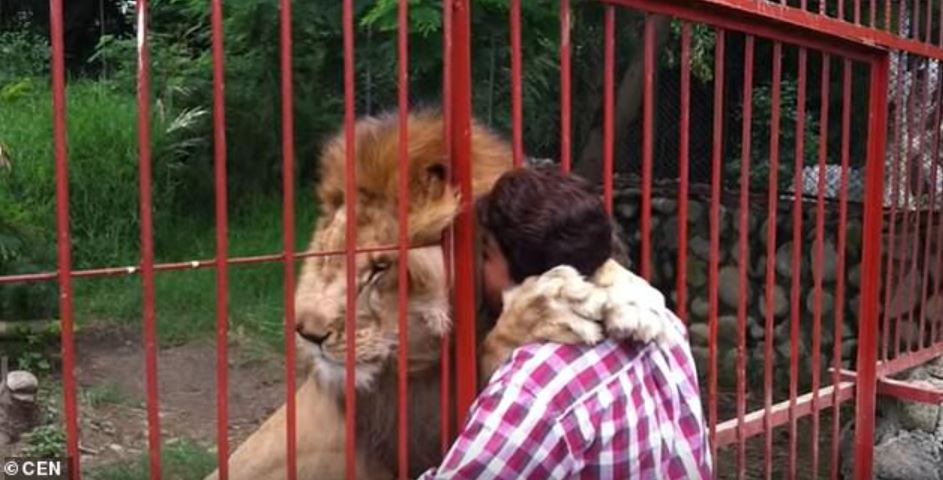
[316, 337]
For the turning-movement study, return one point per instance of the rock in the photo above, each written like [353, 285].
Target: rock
[727, 330]
[727, 368]
[696, 212]
[849, 349]
[696, 273]
[909, 455]
[663, 205]
[828, 305]
[829, 261]
[934, 306]
[728, 286]
[19, 411]
[854, 276]
[700, 247]
[921, 416]
[854, 306]
[699, 309]
[669, 234]
[701, 359]
[780, 303]
[756, 329]
[699, 334]
[784, 260]
[627, 209]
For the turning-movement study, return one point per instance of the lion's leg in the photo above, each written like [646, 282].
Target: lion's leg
[320, 444]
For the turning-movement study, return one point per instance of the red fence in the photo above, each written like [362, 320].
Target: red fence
[858, 35]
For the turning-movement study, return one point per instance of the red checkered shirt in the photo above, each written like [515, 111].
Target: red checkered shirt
[620, 409]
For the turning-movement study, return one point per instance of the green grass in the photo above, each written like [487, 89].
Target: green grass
[183, 460]
[104, 394]
[185, 301]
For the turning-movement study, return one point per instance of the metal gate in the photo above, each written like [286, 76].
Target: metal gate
[848, 36]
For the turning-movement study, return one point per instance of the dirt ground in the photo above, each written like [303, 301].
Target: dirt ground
[112, 401]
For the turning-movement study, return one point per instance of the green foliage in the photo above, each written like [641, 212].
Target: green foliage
[760, 136]
[180, 460]
[23, 53]
[104, 394]
[702, 49]
[45, 441]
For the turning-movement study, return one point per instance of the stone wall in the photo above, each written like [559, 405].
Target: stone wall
[664, 231]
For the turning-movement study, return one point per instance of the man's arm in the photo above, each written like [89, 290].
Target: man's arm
[507, 435]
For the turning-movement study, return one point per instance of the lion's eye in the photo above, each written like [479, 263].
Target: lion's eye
[377, 268]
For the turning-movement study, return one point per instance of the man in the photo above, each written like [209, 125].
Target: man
[616, 408]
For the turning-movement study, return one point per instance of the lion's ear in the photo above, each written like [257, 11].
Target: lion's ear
[432, 180]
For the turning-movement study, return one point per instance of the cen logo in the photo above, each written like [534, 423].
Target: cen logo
[35, 468]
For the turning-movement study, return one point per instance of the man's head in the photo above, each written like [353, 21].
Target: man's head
[535, 219]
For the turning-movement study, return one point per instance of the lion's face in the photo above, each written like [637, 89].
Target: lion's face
[320, 299]
[321, 302]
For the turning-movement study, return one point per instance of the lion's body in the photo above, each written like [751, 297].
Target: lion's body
[321, 309]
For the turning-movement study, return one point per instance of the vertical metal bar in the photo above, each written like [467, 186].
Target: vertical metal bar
[795, 305]
[773, 201]
[516, 79]
[873, 13]
[925, 281]
[840, 247]
[288, 156]
[743, 249]
[565, 85]
[916, 20]
[887, 15]
[147, 240]
[222, 276]
[63, 244]
[350, 244]
[935, 172]
[929, 21]
[683, 174]
[841, 10]
[922, 148]
[817, 264]
[905, 229]
[648, 118]
[716, 171]
[608, 103]
[466, 369]
[866, 387]
[447, 236]
[895, 194]
[403, 244]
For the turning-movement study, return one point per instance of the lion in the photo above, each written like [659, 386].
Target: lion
[321, 308]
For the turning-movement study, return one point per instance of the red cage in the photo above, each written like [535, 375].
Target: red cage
[855, 34]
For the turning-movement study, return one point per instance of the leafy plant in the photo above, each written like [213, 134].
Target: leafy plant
[45, 441]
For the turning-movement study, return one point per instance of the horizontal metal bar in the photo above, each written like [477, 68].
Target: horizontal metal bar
[910, 360]
[785, 24]
[905, 390]
[189, 265]
[753, 423]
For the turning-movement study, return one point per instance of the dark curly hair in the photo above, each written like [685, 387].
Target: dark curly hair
[542, 219]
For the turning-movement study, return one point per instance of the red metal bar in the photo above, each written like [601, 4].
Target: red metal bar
[350, 243]
[190, 265]
[918, 156]
[448, 236]
[773, 202]
[565, 86]
[716, 170]
[648, 118]
[147, 241]
[683, 175]
[895, 193]
[817, 264]
[910, 360]
[785, 24]
[403, 211]
[870, 270]
[938, 105]
[465, 367]
[516, 81]
[909, 391]
[608, 104]
[887, 15]
[743, 248]
[905, 233]
[796, 288]
[753, 423]
[929, 21]
[931, 194]
[288, 220]
[63, 245]
[916, 20]
[840, 247]
[222, 276]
